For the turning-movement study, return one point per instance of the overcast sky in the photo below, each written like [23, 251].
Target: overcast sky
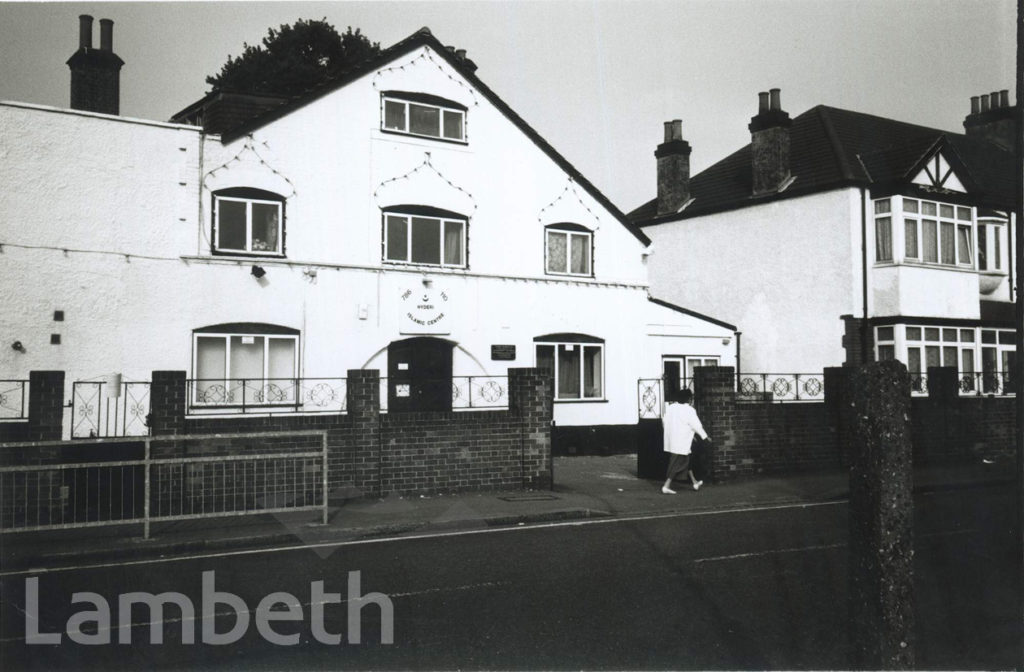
[596, 79]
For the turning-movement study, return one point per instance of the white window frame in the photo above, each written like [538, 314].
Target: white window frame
[278, 252]
[408, 239]
[904, 215]
[227, 378]
[966, 342]
[558, 346]
[588, 245]
[994, 244]
[405, 129]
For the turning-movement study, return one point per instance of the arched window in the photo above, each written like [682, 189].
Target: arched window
[577, 362]
[568, 249]
[418, 234]
[248, 222]
[423, 114]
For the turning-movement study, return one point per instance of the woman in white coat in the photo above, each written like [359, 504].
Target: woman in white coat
[680, 423]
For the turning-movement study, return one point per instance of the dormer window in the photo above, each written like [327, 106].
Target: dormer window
[424, 115]
[248, 221]
[568, 249]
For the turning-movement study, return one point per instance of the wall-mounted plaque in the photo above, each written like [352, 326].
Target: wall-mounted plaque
[503, 352]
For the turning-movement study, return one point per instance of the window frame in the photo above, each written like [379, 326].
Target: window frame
[442, 105]
[248, 196]
[569, 230]
[411, 212]
[227, 333]
[934, 225]
[584, 343]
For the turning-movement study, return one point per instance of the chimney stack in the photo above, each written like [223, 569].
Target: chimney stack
[992, 118]
[769, 142]
[673, 169]
[95, 73]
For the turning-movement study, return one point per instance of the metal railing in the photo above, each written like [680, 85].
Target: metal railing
[780, 387]
[268, 395]
[970, 383]
[102, 409]
[145, 489]
[13, 399]
[467, 392]
[651, 395]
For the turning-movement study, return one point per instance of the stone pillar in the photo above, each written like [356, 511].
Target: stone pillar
[881, 607]
[45, 405]
[363, 405]
[714, 398]
[531, 398]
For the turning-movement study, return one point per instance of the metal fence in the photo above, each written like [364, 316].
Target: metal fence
[268, 395]
[467, 392]
[103, 409]
[13, 399]
[780, 387]
[143, 489]
[970, 383]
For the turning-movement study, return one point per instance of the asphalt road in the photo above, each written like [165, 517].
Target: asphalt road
[757, 589]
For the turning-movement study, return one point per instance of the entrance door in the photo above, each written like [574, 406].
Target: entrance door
[677, 371]
[420, 375]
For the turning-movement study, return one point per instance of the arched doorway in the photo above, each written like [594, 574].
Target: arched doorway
[420, 375]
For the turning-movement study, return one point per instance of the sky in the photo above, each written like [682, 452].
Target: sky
[597, 79]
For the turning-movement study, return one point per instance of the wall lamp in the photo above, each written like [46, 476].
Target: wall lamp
[258, 272]
[18, 346]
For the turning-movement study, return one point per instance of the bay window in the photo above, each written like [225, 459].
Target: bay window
[577, 363]
[933, 233]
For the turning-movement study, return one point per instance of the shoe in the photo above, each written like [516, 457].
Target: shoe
[696, 486]
[665, 490]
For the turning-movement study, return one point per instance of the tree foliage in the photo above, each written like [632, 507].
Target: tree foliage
[292, 59]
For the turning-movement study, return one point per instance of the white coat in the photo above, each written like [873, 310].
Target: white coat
[680, 423]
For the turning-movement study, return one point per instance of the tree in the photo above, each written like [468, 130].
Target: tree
[293, 59]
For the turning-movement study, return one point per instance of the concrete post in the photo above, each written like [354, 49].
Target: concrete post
[881, 607]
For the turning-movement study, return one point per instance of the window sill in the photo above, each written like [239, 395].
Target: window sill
[581, 401]
[432, 138]
[570, 276]
[248, 255]
[387, 263]
[926, 265]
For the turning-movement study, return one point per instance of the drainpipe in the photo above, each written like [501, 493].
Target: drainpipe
[1018, 374]
[738, 334]
[864, 273]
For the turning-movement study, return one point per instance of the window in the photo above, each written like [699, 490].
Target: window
[577, 363]
[237, 364]
[422, 235]
[883, 231]
[936, 233]
[990, 253]
[248, 221]
[567, 249]
[424, 115]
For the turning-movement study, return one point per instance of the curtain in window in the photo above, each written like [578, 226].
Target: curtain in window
[568, 372]
[948, 249]
[910, 239]
[246, 367]
[964, 243]
[578, 262]
[982, 248]
[546, 357]
[280, 370]
[931, 240]
[211, 368]
[453, 243]
[453, 125]
[394, 115]
[592, 372]
[264, 227]
[883, 239]
[556, 252]
[424, 120]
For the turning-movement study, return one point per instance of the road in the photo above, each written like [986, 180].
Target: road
[755, 589]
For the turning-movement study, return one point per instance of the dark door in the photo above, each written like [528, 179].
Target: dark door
[420, 375]
[671, 374]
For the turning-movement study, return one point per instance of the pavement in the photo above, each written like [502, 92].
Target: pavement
[585, 487]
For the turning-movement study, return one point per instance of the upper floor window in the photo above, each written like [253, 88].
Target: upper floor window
[423, 114]
[248, 221]
[990, 245]
[937, 233]
[883, 230]
[424, 235]
[568, 249]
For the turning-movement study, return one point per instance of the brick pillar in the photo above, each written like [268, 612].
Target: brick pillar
[881, 569]
[715, 401]
[167, 403]
[45, 405]
[531, 398]
[363, 404]
[857, 341]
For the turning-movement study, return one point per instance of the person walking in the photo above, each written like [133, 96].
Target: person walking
[680, 424]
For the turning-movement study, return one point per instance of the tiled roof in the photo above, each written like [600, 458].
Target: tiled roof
[832, 148]
[465, 67]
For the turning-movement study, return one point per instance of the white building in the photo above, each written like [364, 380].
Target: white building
[402, 218]
[840, 237]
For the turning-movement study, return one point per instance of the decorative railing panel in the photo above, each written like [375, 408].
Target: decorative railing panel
[780, 387]
[467, 392]
[105, 409]
[980, 383]
[13, 399]
[268, 395]
[650, 398]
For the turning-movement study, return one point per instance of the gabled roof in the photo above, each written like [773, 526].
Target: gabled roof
[832, 148]
[423, 37]
[691, 313]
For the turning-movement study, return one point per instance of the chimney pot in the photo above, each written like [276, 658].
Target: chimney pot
[994, 100]
[450, 48]
[673, 130]
[984, 102]
[975, 105]
[762, 102]
[1004, 98]
[461, 53]
[106, 35]
[85, 31]
[776, 103]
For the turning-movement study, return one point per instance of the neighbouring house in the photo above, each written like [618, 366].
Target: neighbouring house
[401, 218]
[838, 237]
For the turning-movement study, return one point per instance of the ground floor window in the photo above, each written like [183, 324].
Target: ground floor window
[577, 363]
[242, 367]
[984, 358]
